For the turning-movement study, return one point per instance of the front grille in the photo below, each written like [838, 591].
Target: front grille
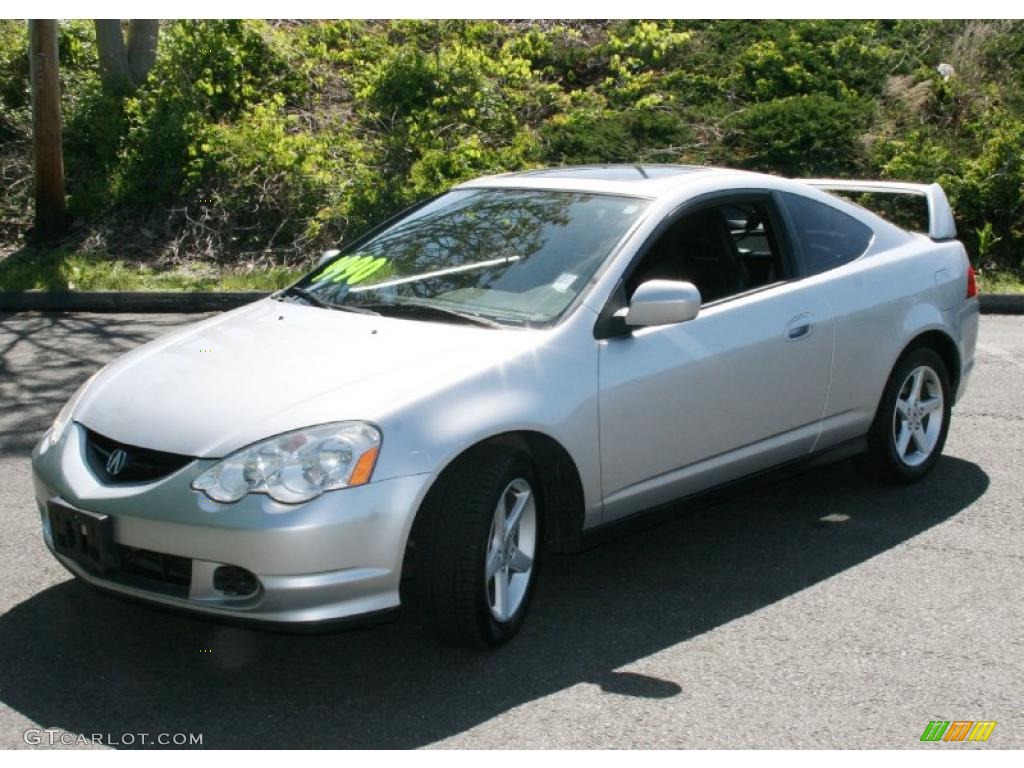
[155, 571]
[136, 465]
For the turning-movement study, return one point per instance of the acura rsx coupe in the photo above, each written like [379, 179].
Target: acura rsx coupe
[503, 370]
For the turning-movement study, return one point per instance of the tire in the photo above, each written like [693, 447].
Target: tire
[459, 546]
[905, 441]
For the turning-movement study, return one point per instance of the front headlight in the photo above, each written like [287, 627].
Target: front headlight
[296, 466]
[60, 424]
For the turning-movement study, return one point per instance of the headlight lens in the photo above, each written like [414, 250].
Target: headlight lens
[60, 424]
[296, 466]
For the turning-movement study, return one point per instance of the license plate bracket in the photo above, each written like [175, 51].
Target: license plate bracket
[85, 537]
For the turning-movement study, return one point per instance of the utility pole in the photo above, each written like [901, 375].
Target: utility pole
[50, 218]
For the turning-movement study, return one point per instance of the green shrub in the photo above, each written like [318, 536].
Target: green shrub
[207, 72]
[14, 85]
[447, 115]
[260, 143]
[269, 186]
[647, 135]
[991, 191]
[800, 135]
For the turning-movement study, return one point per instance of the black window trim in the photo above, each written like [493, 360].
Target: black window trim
[608, 326]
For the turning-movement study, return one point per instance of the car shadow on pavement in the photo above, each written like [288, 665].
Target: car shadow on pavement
[87, 663]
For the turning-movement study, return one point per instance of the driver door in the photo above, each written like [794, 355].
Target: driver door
[739, 388]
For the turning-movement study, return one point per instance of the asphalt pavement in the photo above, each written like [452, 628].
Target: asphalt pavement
[820, 611]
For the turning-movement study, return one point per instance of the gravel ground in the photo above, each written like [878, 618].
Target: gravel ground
[819, 611]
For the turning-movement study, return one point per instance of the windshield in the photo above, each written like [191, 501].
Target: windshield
[505, 256]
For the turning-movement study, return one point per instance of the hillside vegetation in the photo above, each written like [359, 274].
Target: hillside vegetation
[255, 145]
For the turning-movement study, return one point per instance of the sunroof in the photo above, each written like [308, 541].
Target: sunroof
[613, 172]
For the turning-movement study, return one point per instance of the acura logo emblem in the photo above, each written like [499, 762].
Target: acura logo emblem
[117, 461]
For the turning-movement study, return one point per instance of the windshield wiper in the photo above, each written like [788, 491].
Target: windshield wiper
[302, 293]
[409, 309]
[312, 298]
[401, 309]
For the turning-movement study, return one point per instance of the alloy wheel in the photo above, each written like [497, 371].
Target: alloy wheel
[511, 550]
[917, 419]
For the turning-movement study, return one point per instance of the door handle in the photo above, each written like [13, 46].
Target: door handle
[800, 327]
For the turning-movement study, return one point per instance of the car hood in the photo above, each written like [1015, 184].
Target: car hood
[215, 386]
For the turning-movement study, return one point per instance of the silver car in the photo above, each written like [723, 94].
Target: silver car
[508, 369]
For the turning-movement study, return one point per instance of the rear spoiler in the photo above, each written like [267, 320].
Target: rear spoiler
[940, 216]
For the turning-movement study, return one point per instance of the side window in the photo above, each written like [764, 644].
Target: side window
[723, 250]
[828, 238]
[756, 247]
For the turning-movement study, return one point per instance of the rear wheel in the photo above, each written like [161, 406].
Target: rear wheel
[910, 427]
[478, 540]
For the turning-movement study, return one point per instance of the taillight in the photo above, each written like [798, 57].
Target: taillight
[972, 284]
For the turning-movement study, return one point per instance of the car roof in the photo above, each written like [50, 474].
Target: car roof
[610, 172]
[638, 180]
[652, 181]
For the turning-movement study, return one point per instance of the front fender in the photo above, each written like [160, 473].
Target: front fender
[551, 389]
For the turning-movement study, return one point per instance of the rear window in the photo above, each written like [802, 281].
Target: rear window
[909, 212]
[827, 238]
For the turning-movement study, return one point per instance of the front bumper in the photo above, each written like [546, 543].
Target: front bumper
[334, 558]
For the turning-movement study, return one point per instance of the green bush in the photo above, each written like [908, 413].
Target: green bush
[448, 115]
[207, 72]
[641, 135]
[814, 57]
[14, 86]
[270, 187]
[991, 192]
[800, 135]
[260, 142]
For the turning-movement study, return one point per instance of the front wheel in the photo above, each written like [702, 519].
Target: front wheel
[910, 427]
[479, 541]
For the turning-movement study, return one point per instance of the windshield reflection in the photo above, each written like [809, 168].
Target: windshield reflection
[510, 255]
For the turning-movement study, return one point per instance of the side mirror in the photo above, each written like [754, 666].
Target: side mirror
[662, 302]
[327, 256]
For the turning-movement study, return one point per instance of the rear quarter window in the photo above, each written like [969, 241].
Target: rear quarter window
[826, 238]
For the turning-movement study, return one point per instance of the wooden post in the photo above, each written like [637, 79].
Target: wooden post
[50, 219]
